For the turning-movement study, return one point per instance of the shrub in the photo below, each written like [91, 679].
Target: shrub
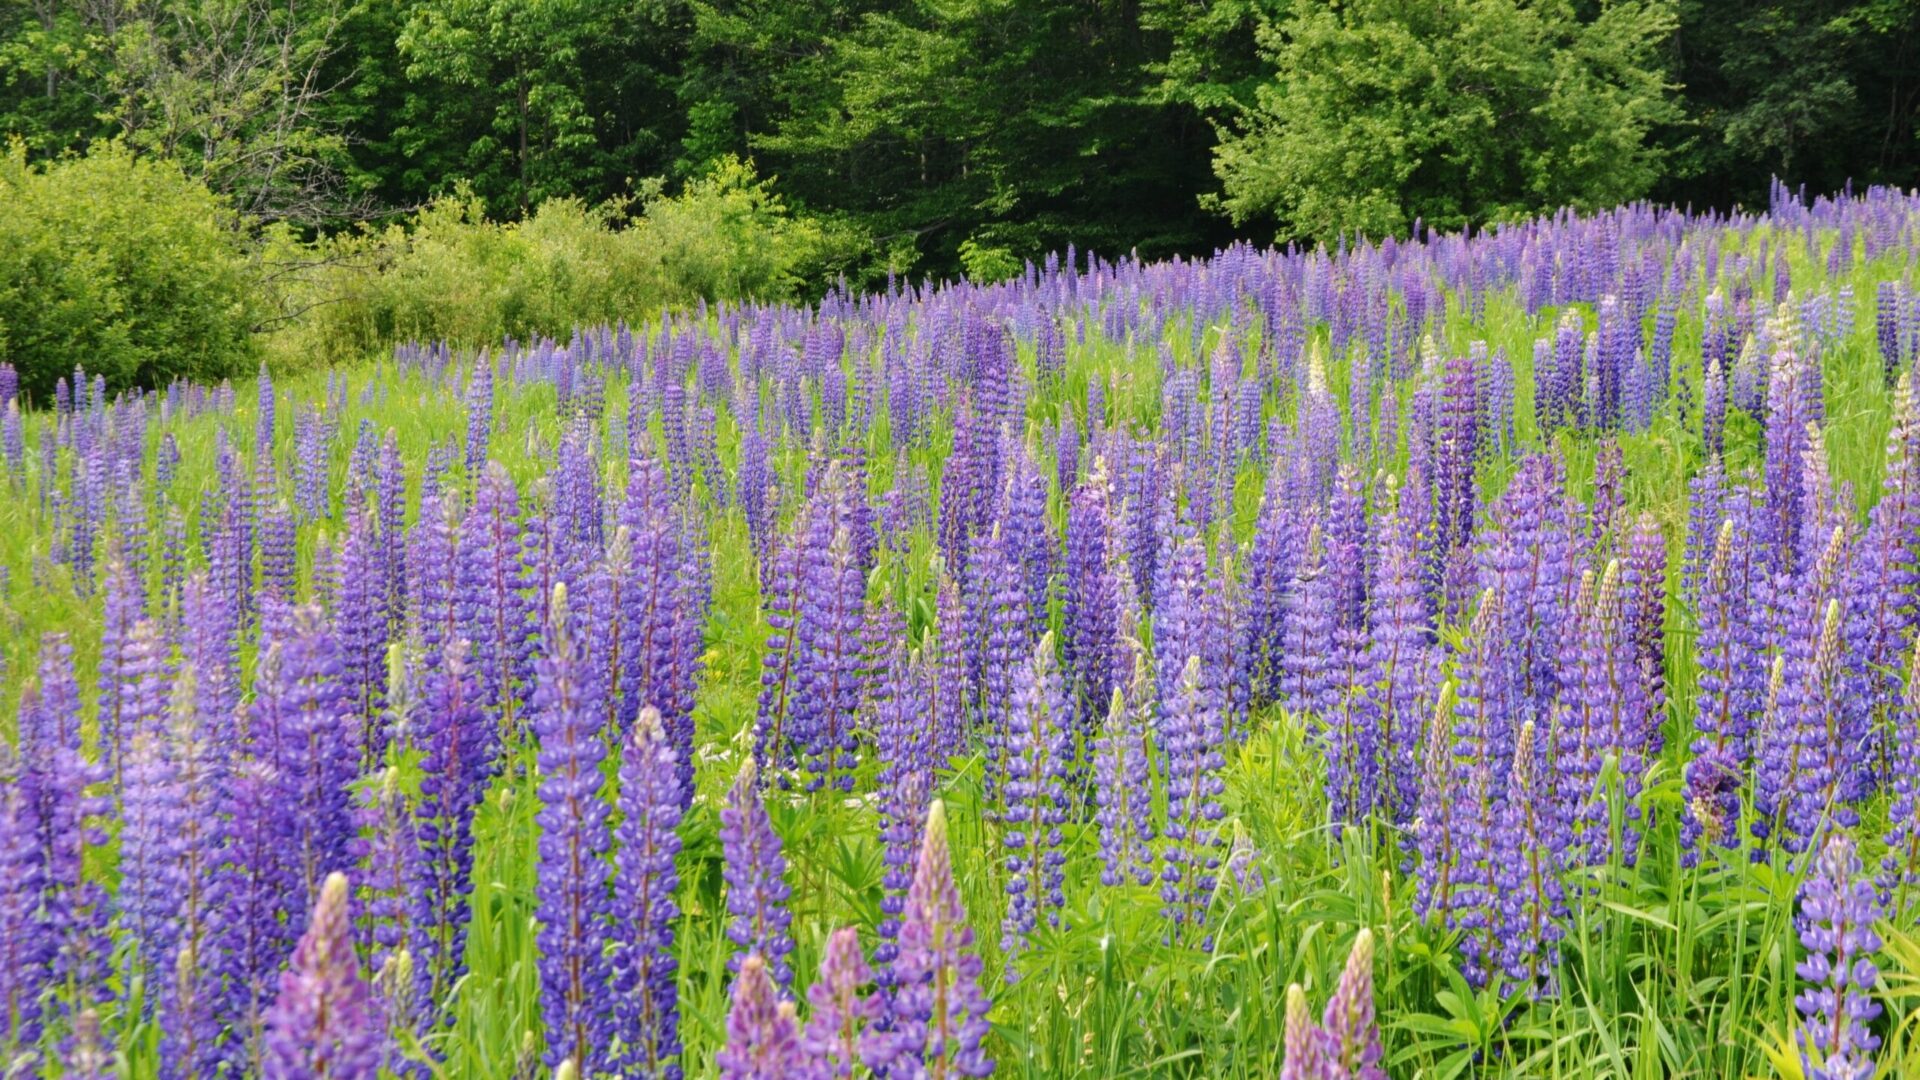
[453, 275]
[120, 264]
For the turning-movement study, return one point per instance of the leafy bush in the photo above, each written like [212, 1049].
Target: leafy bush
[453, 275]
[121, 264]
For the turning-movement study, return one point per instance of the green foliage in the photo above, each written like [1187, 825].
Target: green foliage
[455, 274]
[1384, 112]
[121, 264]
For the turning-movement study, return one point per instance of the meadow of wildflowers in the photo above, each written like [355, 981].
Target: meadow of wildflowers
[1472, 655]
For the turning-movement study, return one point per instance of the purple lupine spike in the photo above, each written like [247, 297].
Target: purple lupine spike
[755, 874]
[313, 453]
[260, 901]
[433, 576]
[1788, 414]
[1031, 542]
[1307, 1053]
[1001, 641]
[456, 761]
[906, 757]
[1526, 872]
[780, 608]
[26, 947]
[495, 614]
[301, 722]
[1279, 541]
[392, 877]
[1473, 764]
[1353, 1031]
[1400, 643]
[1459, 439]
[574, 842]
[1087, 642]
[763, 1033]
[67, 825]
[1039, 749]
[479, 401]
[647, 1014]
[360, 625]
[839, 1035]
[189, 1028]
[326, 1022]
[953, 689]
[1530, 554]
[939, 1011]
[124, 606]
[828, 677]
[151, 879]
[1123, 783]
[390, 496]
[1309, 682]
[1838, 909]
[664, 601]
[1191, 736]
[1606, 714]
[1728, 695]
[1900, 868]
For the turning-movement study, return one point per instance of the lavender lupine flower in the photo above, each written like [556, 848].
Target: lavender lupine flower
[67, 823]
[26, 948]
[763, 1033]
[479, 413]
[494, 613]
[1123, 786]
[1192, 736]
[1473, 763]
[123, 608]
[189, 1030]
[1310, 680]
[939, 1012]
[1039, 754]
[647, 1013]
[907, 756]
[1728, 695]
[1837, 912]
[830, 685]
[755, 874]
[1352, 1029]
[574, 842]
[1279, 540]
[1087, 642]
[1605, 714]
[663, 599]
[1001, 643]
[1401, 655]
[392, 877]
[278, 575]
[840, 1035]
[1790, 409]
[456, 761]
[301, 723]
[326, 1024]
[1307, 1053]
[151, 881]
[1527, 869]
[1900, 869]
[259, 903]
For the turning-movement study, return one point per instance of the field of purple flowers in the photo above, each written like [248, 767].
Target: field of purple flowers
[1489, 655]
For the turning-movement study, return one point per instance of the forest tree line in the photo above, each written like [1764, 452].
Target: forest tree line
[965, 135]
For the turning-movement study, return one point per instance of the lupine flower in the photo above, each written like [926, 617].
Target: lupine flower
[838, 1033]
[26, 948]
[755, 874]
[1192, 737]
[1727, 697]
[1123, 784]
[763, 1034]
[490, 603]
[1350, 1030]
[574, 842]
[456, 761]
[644, 966]
[905, 786]
[939, 1012]
[1527, 869]
[1837, 913]
[1039, 752]
[325, 1023]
